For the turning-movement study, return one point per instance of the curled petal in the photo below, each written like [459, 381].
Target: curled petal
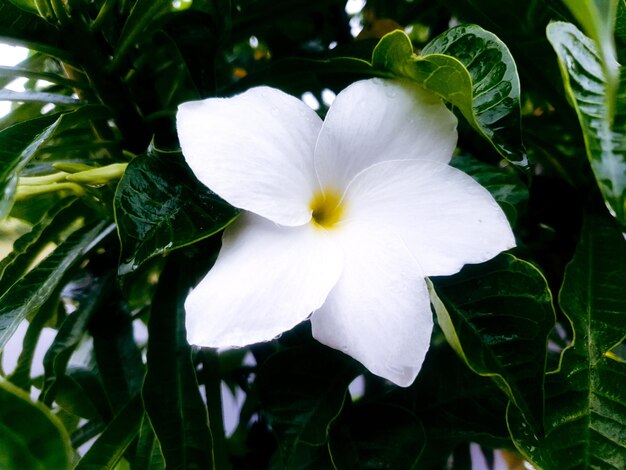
[379, 311]
[254, 150]
[378, 120]
[445, 217]
[266, 280]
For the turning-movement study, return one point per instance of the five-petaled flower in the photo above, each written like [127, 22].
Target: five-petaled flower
[342, 219]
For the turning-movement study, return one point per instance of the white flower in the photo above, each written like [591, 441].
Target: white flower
[343, 219]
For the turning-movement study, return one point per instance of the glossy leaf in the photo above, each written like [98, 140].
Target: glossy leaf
[504, 184]
[108, 449]
[597, 18]
[585, 399]
[603, 130]
[30, 436]
[19, 144]
[29, 294]
[377, 437]
[161, 206]
[170, 391]
[303, 390]
[37, 96]
[473, 70]
[497, 316]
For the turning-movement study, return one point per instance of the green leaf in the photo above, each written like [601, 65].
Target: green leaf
[19, 144]
[597, 18]
[161, 206]
[455, 407]
[587, 86]
[28, 247]
[473, 70]
[303, 390]
[504, 184]
[170, 391]
[108, 449]
[585, 399]
[14, 72]
[20, 27]
[148, 455]
[29, 294]
[37, 96]
[375, 437]
[71, 332]
[30, 436]
[497, 317]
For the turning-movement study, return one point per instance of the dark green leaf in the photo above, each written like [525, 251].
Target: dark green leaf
[108, 449]
[377, 437]
[303, 390]
[29, 294]
[584, 419]
[37, 96]
[148, 455]
[504, 184]
[601, 117]
[30, 30]
[71, 332]
[18, 145]
[161, 206]
[472, 69]
[14, 72]
[170, 392]
[80, 392]
[29, 246]
[30, 436]
[497, 316]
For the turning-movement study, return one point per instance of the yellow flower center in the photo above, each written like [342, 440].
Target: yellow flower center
[326, 208]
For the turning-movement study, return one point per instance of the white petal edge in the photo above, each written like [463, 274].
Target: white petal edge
[266, 280]
[445, 218]
[255, 150]
[379, 311]
[377, 120]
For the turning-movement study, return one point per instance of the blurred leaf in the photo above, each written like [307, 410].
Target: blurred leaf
[504, 184]
[161, 206]
[170, 391]
[71, 332]
[585, 399]
[586, 86]
[18, 145]
[30, 30]
[15, 72]
[455, 407]
[303, 390]
[117, 354]
[29, 246]
[37, 96]
[30, 436]
[29, 294]
[597, 18]
[497, 316]
[472, 69]
[80, 392]
[148, 455]
[108, 449]
[376, 437]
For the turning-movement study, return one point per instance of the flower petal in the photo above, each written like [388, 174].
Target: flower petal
[445, 217]
[377, 120]
[379, 311]
[254, 150]
[266, 280]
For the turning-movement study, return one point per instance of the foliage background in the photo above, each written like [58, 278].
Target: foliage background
[528, 354]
